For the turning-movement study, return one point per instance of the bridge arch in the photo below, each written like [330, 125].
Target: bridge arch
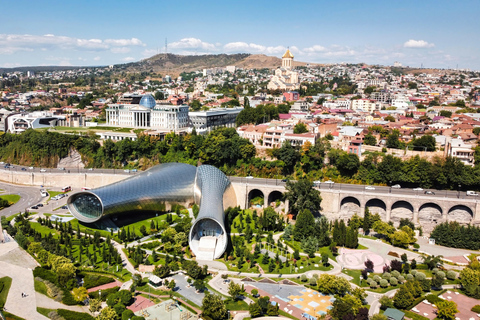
[253, 194]
[274, 196]
[349, 205]
[429, 215]
[460, 213]
[401, 210]
[376, 205]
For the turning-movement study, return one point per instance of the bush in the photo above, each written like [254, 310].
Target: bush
[376, 278]
[303, 278]
[45, 274]
[413, 272]
[386, 276]
[91, 281]
[369, 280]
[420, 276]
[434, 270]
[433, 299]
[401, 279]
[476, 308]
[383, 283]
[451, 275]
[68, 299]
[393, 281]
[440, 274]
[313, 281]
[395, 274]
[105, 293]
[416, 246]
[72, 315]
[409, 277]
[373, 285]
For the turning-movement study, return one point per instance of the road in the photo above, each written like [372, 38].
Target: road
[29, 196]
[359, 188]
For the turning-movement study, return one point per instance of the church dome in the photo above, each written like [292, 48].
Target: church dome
[288, 54]
[148, 101]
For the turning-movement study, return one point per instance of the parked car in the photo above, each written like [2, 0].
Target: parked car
[471, 193]
[126, 170]
[329, 181]
[61, 168]
[64, 207]
[34, 207]
[23, 169]
[429, 192]
[43, 170]
[40, 205]
[31, 168]
[249, 177]
[369, 188]
[418, 189]
[134, 170]
[396, 186]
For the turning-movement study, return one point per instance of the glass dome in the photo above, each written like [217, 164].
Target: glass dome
[148, 101]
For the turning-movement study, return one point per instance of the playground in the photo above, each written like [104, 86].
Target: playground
[312, 302]
[166, 310]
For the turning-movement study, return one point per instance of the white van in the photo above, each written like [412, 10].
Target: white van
[471, 193]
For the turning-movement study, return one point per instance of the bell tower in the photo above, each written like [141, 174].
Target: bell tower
[287, 60]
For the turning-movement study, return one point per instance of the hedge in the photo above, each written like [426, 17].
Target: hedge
[72, 315]
[476, 308]
[92, 281]
[46, 274]
[105, 293]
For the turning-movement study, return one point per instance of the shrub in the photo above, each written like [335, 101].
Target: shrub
[373, 285]
[393, 281]
[91, 281]
[401, 279]
[440, 275]
[383, 283]
[416, 246]
[376, 278]
[433, 298]
[72, 315]
[409, 277]
[476, 308]
[395, 274]
[451, 275]
[303, 278]
[105, 293]
[369, 280]
[420, 276]
[313, 281]
[413, 272]
[386, 275]
[434, 270]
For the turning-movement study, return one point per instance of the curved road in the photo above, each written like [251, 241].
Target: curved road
[29, 196]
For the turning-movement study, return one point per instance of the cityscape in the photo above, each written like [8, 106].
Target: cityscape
[240, 161]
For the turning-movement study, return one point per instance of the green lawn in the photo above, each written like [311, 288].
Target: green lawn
[53, 194]
[5, 284]
[44, 311]
[44, 230]
[40, 287]
[11, 198]
[236, 305]
[10, 316]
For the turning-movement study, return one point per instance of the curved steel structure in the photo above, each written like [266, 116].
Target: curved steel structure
[165, 183]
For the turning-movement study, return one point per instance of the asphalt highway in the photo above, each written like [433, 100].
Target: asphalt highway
[29, 196]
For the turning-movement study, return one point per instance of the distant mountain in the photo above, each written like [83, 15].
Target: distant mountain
[40, 68]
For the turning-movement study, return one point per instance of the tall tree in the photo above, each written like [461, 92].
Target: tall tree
[302, 195]
[304, 225]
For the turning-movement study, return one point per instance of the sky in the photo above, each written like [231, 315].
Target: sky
[428, 33]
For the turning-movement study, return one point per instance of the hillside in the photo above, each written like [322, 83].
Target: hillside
[175, 64]
[260, 61]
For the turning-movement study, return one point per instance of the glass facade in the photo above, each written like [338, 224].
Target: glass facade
[148, 101]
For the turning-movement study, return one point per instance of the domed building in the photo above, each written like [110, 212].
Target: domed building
[285, 78]
[142, 111]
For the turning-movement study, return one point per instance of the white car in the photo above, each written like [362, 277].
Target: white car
[43, 170]
[126, 170]
[369, 188]
[249, 177]
[329, 181]
[396, 186]
[418, 189]
[31, 168]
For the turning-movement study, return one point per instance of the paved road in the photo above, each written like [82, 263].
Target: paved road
[29, 196]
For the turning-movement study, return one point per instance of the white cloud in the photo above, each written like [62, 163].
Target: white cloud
[97, 58]
[252, 48]
[315, 48]
[129, 59]
[418, 44]
[11, 43]
[191, 43]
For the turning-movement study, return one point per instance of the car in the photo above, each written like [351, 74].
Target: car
[471, 193]
[134, 170]
[418, 189]
[429, 192]
[396, 186]
[1, 162]
[31, 168]
[34, 207]
[61, 168]
[284, 180]
[249, 177]
[40, 205]
[90, 169]
[23, 169]
[369, 188]
[43, 170]
[126, 170]
[64, 207]
[329, 181]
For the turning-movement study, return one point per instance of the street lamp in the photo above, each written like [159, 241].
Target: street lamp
[390, 186]
[459, 186]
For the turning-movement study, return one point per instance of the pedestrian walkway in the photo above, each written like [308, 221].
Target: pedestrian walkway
[45, 302]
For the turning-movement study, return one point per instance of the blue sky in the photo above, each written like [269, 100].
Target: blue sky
[436, 33]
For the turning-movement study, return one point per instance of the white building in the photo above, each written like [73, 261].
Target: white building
[366, 105]
[18, 123]
[147, 114]
[206, 121]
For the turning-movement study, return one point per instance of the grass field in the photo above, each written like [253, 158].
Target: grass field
[11, 198]
[40, 287]
[5, 284]
[44, 311]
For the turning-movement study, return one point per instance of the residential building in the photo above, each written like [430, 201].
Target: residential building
[205, 121]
